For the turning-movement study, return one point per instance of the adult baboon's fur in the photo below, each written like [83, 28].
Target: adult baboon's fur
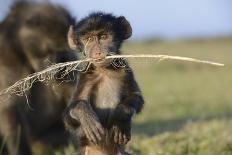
[29, 35]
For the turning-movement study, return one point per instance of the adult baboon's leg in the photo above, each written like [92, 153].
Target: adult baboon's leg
[13, 130]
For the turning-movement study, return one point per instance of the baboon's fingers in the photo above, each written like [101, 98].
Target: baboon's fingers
[96, 132]
[125, 139]
[100, 128]
[91, 135]
[116, 135]
[87, 134]
[120, 136]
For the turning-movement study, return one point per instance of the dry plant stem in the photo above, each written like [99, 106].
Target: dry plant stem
[163, 57]
[48, 75]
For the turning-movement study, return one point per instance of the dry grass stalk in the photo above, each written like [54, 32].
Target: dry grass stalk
[49, 74]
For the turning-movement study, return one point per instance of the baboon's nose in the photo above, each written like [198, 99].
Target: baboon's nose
[98, 55]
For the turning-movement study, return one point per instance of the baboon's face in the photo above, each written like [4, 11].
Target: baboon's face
[43, 33]
[99, 35]
[97, 44]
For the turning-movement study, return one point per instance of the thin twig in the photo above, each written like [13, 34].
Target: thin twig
[48, 75]
[163, 57]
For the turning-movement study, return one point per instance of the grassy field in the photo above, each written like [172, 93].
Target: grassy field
[188, 107]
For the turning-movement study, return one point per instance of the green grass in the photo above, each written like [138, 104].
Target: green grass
[188, 106]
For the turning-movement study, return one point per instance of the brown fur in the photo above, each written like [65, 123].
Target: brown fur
[107, 95]
[29, 35]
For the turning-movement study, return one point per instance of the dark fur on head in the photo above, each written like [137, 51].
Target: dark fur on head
[119, 27]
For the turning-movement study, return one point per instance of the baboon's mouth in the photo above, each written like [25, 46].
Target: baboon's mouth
[99, 60]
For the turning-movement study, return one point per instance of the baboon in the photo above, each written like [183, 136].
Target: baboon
[107, 95]
[30, 34]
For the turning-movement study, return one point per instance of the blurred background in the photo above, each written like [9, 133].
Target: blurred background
[167, 19]
[188, 107]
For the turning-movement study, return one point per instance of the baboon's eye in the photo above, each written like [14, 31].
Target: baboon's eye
[103, 37]
[89, 39]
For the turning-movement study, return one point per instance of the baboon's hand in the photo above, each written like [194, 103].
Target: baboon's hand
[121, 134]
[89, 121]
[92, 128]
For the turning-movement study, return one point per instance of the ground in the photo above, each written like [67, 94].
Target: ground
[188, 106]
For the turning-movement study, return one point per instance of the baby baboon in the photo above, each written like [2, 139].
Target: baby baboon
[107, 95]
[30, 34]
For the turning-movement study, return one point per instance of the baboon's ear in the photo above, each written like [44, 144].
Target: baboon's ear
[124, 27]
[72, 39]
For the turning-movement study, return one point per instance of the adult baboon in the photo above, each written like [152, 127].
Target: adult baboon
[30, 34]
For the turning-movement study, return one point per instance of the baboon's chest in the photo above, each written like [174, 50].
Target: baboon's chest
[108, 93]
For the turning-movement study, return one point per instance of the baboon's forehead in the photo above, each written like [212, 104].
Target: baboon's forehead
[95, 32]
[96, 21]
[91, 28]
